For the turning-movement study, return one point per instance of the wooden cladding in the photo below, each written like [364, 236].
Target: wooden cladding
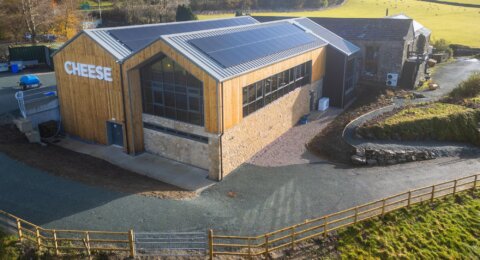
[232, 89]
[86, 104]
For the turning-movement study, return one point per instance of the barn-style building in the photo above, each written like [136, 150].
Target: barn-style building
[207, 93]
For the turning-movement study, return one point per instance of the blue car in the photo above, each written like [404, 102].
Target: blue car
[29, 81]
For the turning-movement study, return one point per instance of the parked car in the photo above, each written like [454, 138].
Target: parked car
[29, 81]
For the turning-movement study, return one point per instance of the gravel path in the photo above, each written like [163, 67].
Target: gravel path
[290, 148]
[449, 76]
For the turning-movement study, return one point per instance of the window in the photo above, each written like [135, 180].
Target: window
[371, 60]
[264, 92]
[168, 90]
[350, 76]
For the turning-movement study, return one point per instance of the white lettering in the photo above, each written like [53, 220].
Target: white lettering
[83, 70]
[91, 71]
[107, 74]
[99, 71]
[88, 71]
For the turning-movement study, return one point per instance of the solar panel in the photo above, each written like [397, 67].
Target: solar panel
[137, 37]
[239, 47]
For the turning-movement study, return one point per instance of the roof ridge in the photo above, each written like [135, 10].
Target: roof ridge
[167, 23]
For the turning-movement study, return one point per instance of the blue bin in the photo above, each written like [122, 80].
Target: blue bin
[14, 68]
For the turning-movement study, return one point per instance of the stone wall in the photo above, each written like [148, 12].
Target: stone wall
[179, 148]
[259, 129]
[391, 57]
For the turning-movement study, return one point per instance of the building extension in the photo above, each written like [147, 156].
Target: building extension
[393, 47]
[207, 93]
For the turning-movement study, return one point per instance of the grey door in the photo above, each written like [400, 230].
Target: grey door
[115, 133]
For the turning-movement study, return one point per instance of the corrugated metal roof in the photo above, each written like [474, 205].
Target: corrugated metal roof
[333, 40]
[181, 42]
[137, 37]
[112, 45]
[123, 42]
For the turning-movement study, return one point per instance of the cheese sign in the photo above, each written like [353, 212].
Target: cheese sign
[88, 71]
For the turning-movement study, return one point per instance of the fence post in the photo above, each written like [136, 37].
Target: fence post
[266, 246]
[55, 242]
[433, 193]
[39, 240]
[454, 187]
[87, 245]
[409, 198]
[249, 248]
[383, 207]
[210, 244]
[475, 182]
[131, 241]
[325, 223]
[356, 216]
[293, 237]
[19, 228]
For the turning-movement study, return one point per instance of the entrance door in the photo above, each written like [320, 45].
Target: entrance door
[115, 133]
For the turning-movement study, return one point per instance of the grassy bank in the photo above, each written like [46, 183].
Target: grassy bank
[455, 24]
[447, 229]
[8, 246]
[436, 121]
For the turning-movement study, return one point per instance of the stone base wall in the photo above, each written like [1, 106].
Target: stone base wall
[178, 148]
[259, 129]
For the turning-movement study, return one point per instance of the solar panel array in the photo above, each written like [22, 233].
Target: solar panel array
[137, 37]
[239, 47]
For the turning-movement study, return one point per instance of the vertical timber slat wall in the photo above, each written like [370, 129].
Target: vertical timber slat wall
[232, 89]
[86, 104]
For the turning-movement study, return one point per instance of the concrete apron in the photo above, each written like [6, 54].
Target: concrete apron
[169, 171]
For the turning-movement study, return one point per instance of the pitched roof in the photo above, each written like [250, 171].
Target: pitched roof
[123, 42]
[251, 37]
[333, 40]
[417, 27]
[378, 29]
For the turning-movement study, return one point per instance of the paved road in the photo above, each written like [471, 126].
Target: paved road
[267, 197]
[8, 87]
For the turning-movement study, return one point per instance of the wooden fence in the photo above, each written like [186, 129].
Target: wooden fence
[80, 241]
[245, 246]
[61, 242]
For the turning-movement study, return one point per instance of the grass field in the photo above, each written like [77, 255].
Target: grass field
[447, 229]
[456, 24]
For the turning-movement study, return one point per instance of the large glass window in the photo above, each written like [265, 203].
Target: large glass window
[261, 93]
[170, 91]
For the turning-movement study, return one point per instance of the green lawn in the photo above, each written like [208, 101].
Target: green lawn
[447, 229]
[435, 110]
[456, 24]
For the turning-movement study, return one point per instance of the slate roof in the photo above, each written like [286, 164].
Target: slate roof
[373, 29]
[123, 42]
[417, 27]
[182, 43]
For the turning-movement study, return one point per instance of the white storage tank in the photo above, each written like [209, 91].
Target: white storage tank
[323, 103]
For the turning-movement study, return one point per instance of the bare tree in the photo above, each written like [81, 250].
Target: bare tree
[37, 15]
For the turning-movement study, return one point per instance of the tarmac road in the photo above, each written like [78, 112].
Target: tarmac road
[267, 198]
[9, 85]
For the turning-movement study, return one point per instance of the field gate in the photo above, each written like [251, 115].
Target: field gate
[191, 244]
